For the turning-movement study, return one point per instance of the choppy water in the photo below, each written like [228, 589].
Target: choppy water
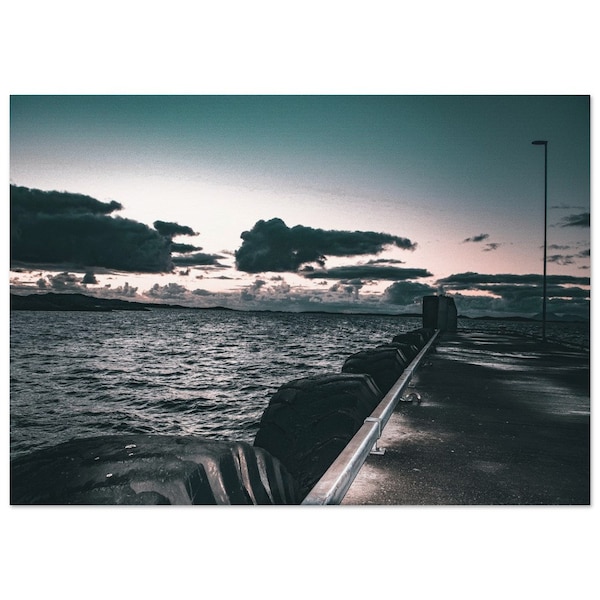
[208, 373]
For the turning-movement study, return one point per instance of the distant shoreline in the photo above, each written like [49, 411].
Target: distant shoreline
[52, 301]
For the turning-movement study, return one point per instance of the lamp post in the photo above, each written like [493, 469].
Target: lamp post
[545, 144]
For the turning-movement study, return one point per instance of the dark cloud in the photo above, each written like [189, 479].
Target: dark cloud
[258, 283]
[252, 291]
[65, 282]
[201, 292]
[65, 228]
[126, 290]
[356, 282]
[167, 292]
[198, 259]
[407, 292]
[567, 259]
[491, 246]
[350, 290]
[349, 286]
[273, 246]
[522, 304]
[32, 201]
[579, 220]
[367, 272]
[184, 248]
[477, 238]
[473, 281]
[385, 261]
[89, 277]
[564, 206]
[518, 294]
[170, 230]
[561, 259]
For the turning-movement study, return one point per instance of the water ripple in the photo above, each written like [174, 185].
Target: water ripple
[196, 373]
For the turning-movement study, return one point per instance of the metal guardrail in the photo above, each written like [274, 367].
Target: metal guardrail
[336, 481]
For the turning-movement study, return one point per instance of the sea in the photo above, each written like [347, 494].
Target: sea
[209, 373]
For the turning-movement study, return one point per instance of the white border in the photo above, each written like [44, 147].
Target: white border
[296, 47]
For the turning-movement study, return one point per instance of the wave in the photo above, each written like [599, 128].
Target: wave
[211, 375]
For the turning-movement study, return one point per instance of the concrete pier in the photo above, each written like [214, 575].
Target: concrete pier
[501, 420]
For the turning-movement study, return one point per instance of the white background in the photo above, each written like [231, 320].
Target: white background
[435, 47]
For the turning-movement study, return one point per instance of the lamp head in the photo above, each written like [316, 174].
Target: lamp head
[540, 142]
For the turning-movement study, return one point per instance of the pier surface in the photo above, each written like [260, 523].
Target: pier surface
[503, 419]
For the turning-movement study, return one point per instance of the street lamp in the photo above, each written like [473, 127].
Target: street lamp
[545, 144]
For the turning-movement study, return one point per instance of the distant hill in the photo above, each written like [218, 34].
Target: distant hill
[53, 301]
[562, 318]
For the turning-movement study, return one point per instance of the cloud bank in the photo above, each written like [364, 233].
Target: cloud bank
[273, 246]
[367, 272]
[199, 259]
[474, 281]
[408, 293]
[65, 228]
[477, 293]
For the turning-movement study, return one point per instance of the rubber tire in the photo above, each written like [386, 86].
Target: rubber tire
[384, 365]
[309, 421]
[409, 351]
[150, 469]
[424, 334]
[413, 337]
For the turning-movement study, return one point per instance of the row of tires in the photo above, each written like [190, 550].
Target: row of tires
[305, 426]
[309, 421]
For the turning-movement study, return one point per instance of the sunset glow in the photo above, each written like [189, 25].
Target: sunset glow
[455, 175]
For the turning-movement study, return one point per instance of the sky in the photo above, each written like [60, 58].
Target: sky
[261, 188]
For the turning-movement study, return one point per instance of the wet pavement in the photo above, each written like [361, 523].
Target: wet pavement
[502, 420]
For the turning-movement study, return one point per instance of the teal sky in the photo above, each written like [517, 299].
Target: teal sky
[438, 170]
